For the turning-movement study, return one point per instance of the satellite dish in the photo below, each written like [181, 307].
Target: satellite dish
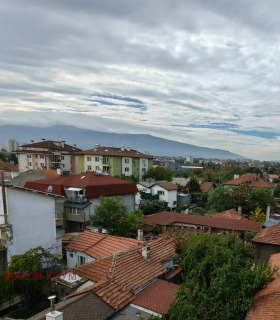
[50, 189]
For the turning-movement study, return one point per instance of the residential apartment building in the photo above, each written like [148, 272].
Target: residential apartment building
[12, 145]
[50, 155]
[115, 161]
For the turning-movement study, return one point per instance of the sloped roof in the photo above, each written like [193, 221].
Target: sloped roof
[252, 180]
[229, 214]
[120, 275]
[269, 235]
[181, 181]
[86, 306]
[95, 185]
[206, 186]
[98, 245]
[116, 152]
[267, 301]
[48, 144]
[8, 167]
[169, 186]
[165, 218]
[157, 296]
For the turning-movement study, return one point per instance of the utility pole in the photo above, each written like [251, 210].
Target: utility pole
[4, 197]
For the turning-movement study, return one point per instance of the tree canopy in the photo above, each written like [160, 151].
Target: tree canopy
[221, 279]
[114, 216]
[159, 173]
[220, 199]
[193, 185]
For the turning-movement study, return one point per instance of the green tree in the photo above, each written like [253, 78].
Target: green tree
[193, 185]
[227, 173]
[241, 196]
[153, 207]
[209, 175]
[220, 199]
[113, 215]
[221, 279]
[2, 157]
[159, 173]
[277, 191]
[258, 215]
[261, 198]
[197, 172]
[131, 178]
[13, 157]
[200, 199]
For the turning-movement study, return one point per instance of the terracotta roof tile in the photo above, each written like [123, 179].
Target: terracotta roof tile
[252, 180]
[98, 245]
[166, 218]
[229, 214]
[120, 275]
[116, 152]
[206, 186]
[157, 296]
[269, 235]
[8, 167]
[96, 185]
[167, 186]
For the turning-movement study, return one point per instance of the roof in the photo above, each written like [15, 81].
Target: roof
[149, 184]
[252, 180]
[206, 186]
[181, 181]
[273, 176]
[269, 235]
[86, 306]
[267, 301]
[48, 144]
[98, 245]
[229, 214]
[96, 185]
[157, 296]
[27, 176]
[8, 167]
[118, 276]
[116, 152]
[166, 218]
[49, 173]
[169, 186]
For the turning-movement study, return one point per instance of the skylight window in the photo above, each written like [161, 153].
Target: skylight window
[82, 177]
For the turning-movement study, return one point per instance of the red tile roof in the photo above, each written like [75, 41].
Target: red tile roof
[252, 180]
[95, 185]
[157, 296]
[229, 214]
[120, 275]
[269, 235]
[206, 186]
[56, 145]
[116, 152]
[98, 245]
[8, 167]
[169, 186]
[267, 301]
[166, 218]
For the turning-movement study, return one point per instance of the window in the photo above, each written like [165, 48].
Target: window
[126, 169]
[144, 163]
[82, 260]
[96, 159]
[97, 168]
[73, 210]
[160, 192]
[89, 168]
[71, 255]
[88, 158]
[29, 164]
[36, 156]
[36, 164]
[126, 160]
[29, 156]
[42, 164]
[143, 169]
[42, 156]
[107, 160]
[62, 165]
[62, 157]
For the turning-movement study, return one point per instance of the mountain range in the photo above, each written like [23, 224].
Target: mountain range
[86, 139]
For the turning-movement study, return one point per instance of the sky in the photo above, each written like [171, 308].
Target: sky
[200, 72]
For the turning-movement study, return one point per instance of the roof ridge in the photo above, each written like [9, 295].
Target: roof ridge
[271, 231]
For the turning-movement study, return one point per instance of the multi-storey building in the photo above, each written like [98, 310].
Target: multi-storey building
[50, 155]
[12, 145]
[115, 161]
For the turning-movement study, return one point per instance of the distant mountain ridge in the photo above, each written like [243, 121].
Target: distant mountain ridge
[86, 139]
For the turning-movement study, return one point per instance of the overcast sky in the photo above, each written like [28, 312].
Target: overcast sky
[201, 72]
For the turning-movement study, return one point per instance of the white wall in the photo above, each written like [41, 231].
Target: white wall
[73, 262]
[168, 196]
[127, 165]
[32, 216]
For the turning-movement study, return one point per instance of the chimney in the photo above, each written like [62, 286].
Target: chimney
[53, 314]
[75, 145]
[140, 235]
[268, 212]
[58, 171]
[97, 146]
[31, 141]
[239, 210]
[122, 148]
[4, 197]
[146, 253]
[62, 143]
[235, 176]
[42, 139]
[128, 148]
[99, 230]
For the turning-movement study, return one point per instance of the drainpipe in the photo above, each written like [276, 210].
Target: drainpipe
[4, 197]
